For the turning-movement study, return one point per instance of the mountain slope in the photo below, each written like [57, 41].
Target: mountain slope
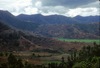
[89, 31]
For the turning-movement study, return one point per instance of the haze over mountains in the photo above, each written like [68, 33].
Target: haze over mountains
[54, 25]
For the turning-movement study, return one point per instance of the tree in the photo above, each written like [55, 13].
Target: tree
[12, 61]
[62, 60]
[19, 63]
[1, 54]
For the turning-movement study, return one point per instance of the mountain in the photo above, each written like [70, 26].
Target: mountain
[37, 18]
[89, 31]
[11, 39]
[61, 26]
[54, 25]
[14, 40]
[88, 19]
[58, 19]
[3, 27]
[11, 20]
[52, 19]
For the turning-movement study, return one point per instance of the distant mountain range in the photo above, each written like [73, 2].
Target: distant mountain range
[52, 19]
[58, 19]
[88, 19]
[54, 25]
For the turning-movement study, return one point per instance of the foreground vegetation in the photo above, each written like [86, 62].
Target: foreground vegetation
[80, 40]
[87, 57]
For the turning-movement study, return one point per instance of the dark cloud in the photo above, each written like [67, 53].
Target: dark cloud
[67, 3]
[94, 4]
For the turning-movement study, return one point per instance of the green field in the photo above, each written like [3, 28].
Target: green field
[80, 40]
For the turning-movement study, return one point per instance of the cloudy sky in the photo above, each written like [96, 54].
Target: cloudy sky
[47, 7]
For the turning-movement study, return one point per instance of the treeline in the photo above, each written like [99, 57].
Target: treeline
[87, 57]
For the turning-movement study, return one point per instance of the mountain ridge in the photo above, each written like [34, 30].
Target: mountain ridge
[52, 26]
[12, 21]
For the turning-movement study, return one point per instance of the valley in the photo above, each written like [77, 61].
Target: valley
[55, 41]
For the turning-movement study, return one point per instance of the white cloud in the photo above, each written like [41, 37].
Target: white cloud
[51, 10]
[18, 6]
[37, 6]
[49, 13]
[14, 3]
[83, 12]
[31, 10]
